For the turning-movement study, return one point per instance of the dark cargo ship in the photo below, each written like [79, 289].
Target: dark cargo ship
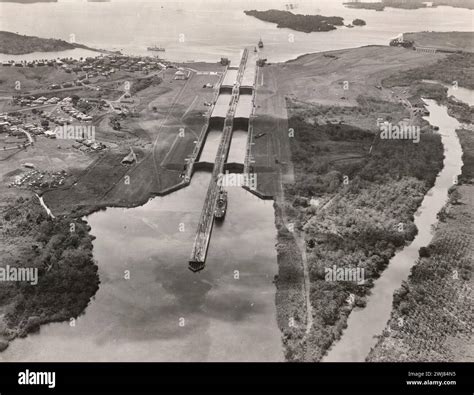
[221, 205]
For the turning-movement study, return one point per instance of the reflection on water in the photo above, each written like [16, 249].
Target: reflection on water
[365, 324]
[223, 318]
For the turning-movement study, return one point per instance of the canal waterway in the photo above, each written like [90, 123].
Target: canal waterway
[151, 307]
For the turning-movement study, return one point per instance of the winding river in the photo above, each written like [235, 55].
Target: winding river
[365, 324]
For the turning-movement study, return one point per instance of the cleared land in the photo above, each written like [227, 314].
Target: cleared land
[170, 119]
[459, 41]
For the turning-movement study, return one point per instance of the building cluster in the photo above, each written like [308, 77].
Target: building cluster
[39, 179]
[87, 145]
[86, 68]
[7, 121]
[14, 124]
[32, 101]
[67, 106]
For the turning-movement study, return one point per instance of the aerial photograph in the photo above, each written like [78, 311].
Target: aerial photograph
[205, 181]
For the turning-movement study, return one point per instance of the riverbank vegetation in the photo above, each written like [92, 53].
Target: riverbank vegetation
[453, 68]
[434, 305]
[291, 314]
[353, 199]
[60, 250]
[298, 22]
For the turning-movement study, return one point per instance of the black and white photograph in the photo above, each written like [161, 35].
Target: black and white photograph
[280, 184]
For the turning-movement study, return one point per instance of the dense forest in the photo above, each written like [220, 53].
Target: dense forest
[61, 250]
[435, 303]
[16, 44]
[367, 191]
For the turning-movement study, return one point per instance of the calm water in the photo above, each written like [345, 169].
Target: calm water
[211, 144]
[365, 324]
[238, 147]
[138, 319]
[209, 29]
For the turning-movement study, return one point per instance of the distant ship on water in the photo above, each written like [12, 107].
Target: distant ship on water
[260, 43]
[156, 48]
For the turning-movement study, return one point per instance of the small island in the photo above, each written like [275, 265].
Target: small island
[298, 22]
[358, 22]
[17, 44]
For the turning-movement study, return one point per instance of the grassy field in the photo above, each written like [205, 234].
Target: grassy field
[32, 78]
[163, 110]
[340, 77]
[444, 40]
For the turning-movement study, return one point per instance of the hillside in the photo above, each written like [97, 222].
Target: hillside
[17, 44]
